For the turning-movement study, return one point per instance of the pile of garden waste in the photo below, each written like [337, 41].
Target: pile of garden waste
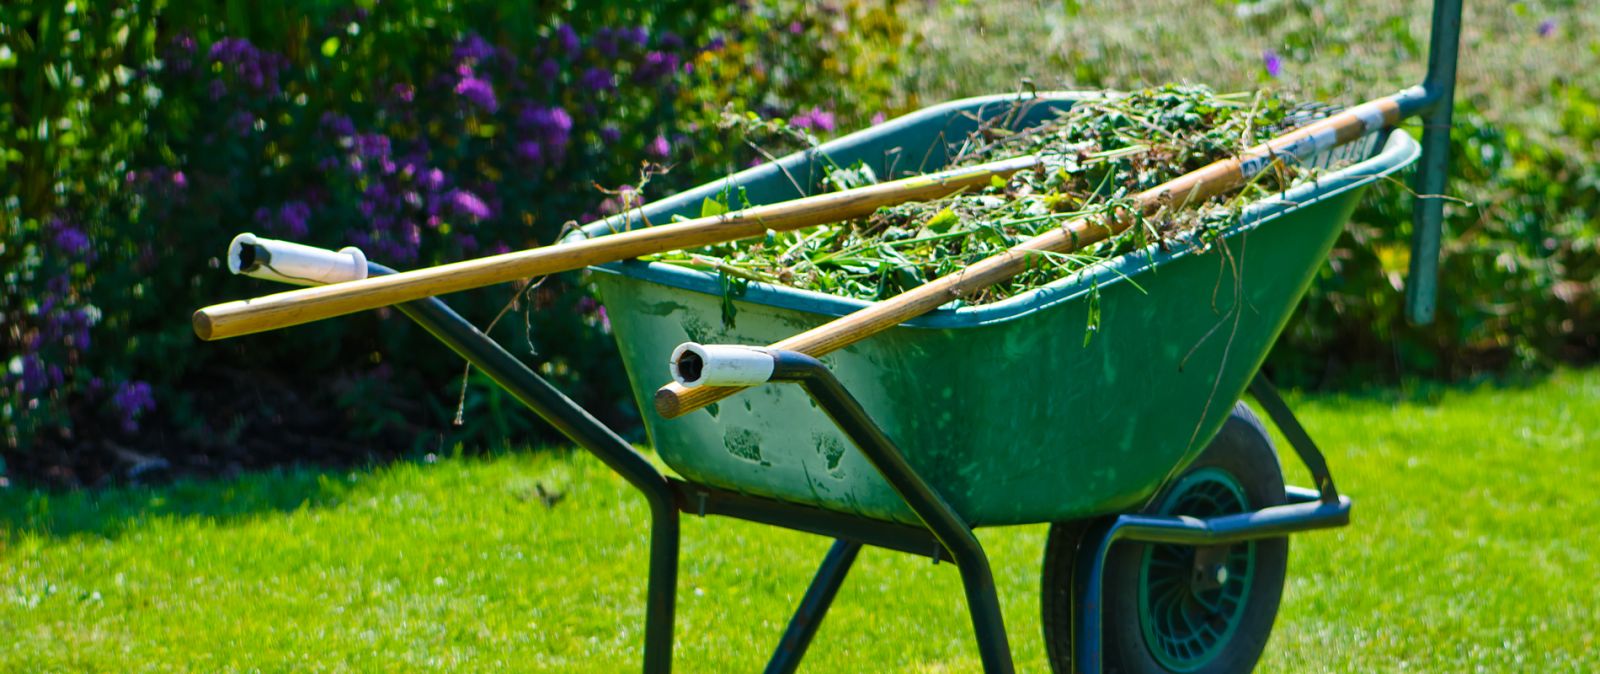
[1097, 155]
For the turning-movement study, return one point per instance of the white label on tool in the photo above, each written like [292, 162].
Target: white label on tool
[1254, 162]
[1292, 151]
[1371, 116]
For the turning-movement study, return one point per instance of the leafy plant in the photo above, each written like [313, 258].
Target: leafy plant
[1094, 157]
[142, 136]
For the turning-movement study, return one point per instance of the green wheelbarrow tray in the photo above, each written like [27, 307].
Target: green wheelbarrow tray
[1012, 411]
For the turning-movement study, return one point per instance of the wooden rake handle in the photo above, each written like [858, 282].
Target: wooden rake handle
[674, 400]
[305, 305]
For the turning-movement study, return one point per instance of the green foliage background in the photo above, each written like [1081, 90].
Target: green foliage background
[126, 169]
[140, 136]
[1518, 281]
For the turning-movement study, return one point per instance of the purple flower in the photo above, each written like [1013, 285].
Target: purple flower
[1547, 28]
[598, 80]
[479, 92]
[241, 123]
[179, 180]
[548, 121]
[469, 204]
[372, 145]
[656, 65]
[567, 38]
[639, 35]
[379, 194]
[530, 151]
[254, 67]
[605, 42]
[624, 198]
[815, 119]
[549, 70]
[229, 49]
[878, 118]
[132, 400]
[293, 216]
[610, 135]
[550, 127]
[605, 320]
[431, 179]
[71, 240]
[1273, 63]
[796, 28]
[33, 377]
[658, 148]
[670, 40]
[473, 48]
[339, 125]
[404, 92]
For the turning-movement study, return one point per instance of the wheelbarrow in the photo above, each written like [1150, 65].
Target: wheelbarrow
[1169, 514]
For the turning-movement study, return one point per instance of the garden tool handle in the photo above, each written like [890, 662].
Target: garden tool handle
[305, 305]
[675, 399]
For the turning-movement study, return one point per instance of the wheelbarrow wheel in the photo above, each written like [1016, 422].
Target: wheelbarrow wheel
[1176, 608]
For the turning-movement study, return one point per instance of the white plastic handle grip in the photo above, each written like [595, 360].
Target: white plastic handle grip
[720, 365]
[294, 263]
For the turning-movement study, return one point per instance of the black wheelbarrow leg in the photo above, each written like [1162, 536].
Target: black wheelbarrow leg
[582, 428]
[977, 580]
[813, 606]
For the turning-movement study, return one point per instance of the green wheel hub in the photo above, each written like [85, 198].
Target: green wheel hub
[1192, 599]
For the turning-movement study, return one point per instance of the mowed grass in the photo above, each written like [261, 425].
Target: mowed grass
[1473, 547]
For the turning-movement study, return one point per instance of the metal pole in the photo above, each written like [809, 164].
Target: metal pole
[808, 617]
[983, 602]
[1428, 214]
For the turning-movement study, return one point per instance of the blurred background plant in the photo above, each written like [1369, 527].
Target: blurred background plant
[1518, 282]
[136, 137]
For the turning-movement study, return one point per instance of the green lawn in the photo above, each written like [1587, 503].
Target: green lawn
[1473, 547]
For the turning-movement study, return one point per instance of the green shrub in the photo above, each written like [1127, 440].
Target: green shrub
[1518, 281]
[139, 137]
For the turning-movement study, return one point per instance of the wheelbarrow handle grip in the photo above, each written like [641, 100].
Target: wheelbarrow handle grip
[695, 365]
[289, 262]
[312, 304]
[675, 399]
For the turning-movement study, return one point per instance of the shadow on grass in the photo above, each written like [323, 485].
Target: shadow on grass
[111, 512]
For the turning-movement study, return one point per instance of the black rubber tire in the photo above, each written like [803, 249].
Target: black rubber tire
[1055, 601]
[1244, 450]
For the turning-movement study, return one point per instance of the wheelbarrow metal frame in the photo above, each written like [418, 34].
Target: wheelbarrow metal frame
[944, 535]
